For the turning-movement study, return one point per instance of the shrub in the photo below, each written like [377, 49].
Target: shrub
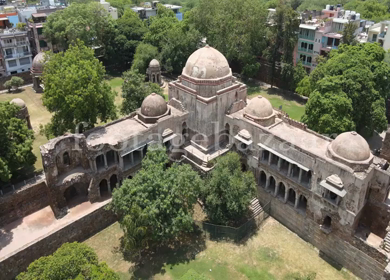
[16, 82]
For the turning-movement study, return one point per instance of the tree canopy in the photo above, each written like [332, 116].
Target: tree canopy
[135, 89]
[355, 78]
[228, 191]
[129, 33]
[88, 22]
[70, 261]
[16, 142]
[143, 55]
[157, 204]
[237, 28]
[75, 90]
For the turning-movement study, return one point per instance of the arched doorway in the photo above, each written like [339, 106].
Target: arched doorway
[113, 181]
[263, 179]
[66, 158]
[70, 193]
[327, 223]
[103, 187]
[302, 203]
[281, 190]
[184, 132]
[291, 197]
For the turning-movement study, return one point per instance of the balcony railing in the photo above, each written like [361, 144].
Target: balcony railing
[308, 37]
[17, 55]
[305, 50]
[306, 63]
[324, 45]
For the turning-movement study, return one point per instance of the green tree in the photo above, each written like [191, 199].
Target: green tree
[130, 30]
[143, 55]
[165, 195]
[88, 22]
[16, 142]
[70, 261]
[135, 89]
[159, 27]
[180, 42]
[303, 87]
[229, 190]
[16, 82]
[75, 90]
[236, 28]
[370, 9]
[361, 74]
[282, 37]
[8, 85]
[349, 36]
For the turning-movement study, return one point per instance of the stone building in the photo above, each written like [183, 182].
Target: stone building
[332, 193]
[154, 72]
[23, 111]
[37, 71]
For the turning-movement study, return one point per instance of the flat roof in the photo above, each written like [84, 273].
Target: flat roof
[308, 26]
[39, 15]
[303, 139]
[340, 20]
[115, 133]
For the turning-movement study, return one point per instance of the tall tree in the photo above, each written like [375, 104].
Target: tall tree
[135, 89]
[130, 30]
[88, 22]
[143, 55]
[70, 261]
[16, 142]
[349, 36]
[164, 195]
[75, 90]
[180, 42]
[282, 37]
[359, 74]
[228, 192]
[236, 28]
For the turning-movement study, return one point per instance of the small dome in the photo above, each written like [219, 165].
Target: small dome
[154, 63]
[153, 105]
[38, 62]
[207, 63]
[18, 102]
[259, 107]
[351, 146]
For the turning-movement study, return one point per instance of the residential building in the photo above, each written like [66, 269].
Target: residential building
[377, 33]
[111, 10]
[15, 50]
[11, 14]
[150, 10]
[320, 35]
[35, 29]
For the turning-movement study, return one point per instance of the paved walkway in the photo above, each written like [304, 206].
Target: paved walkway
[6, 90]
[31, 228]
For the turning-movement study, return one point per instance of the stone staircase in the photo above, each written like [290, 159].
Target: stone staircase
[386, 243]
[255, 207]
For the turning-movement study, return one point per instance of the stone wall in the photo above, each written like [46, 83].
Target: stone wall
[79, 230]
[365, 262]
[23, 202]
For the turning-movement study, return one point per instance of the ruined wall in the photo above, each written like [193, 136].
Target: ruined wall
[365, 262]
[23, 202]
[79, 230]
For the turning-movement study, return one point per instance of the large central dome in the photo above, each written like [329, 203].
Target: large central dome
[207, 63]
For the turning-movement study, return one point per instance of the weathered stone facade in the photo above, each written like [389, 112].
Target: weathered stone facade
[332, 193]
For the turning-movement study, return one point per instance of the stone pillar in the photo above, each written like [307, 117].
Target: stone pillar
[296, 200]
[35, 83]
[269, 158]
[279, 163]
[109, 186]
[94, 165]
[300, 175]
[276, 190]
[120, 162]
[132, 158]
[267, 183]
[105, 160]
[289, 169]
[286, 195]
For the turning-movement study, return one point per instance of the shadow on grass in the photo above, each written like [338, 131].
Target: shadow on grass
[330, 261]
[178, 251]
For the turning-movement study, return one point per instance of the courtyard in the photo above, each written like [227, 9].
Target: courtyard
[273, 252]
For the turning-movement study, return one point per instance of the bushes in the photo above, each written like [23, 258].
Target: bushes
[14, 83]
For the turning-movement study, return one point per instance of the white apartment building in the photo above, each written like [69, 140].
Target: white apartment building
[377, 33]
[16, 51]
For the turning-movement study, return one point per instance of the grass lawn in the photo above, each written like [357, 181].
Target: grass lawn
[273, 252]
[38, 115]
[292, 108]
